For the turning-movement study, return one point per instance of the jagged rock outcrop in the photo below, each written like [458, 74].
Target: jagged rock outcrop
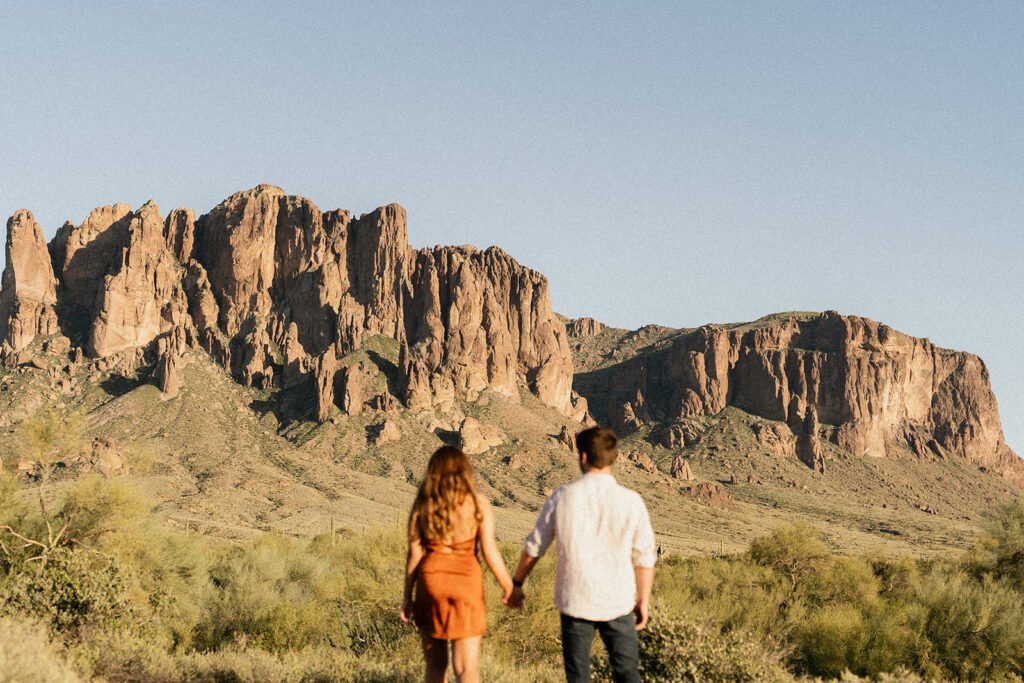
[81, 257]
[267, 284]
[326, 366]
[776, 438]
[643, 461]
[681, 469]
[566, 439]
[584, 327]
[680, 434]
[475, 437]
[356, 385]
[28, 299]
[141, 296]
[808, 446]
[482, 321]
[881, 393]
[169, 350]
[384, 432]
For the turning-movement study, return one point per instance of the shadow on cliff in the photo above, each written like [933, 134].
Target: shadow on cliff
[389, 369]
[294, 403]
[117, 385]
[79, 283]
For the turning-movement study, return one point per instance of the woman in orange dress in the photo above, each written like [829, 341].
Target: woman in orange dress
[449, 519]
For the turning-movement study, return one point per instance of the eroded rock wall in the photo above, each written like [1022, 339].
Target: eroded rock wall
[874, 391]
[269, 286]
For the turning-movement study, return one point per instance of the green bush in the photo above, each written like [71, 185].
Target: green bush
[126, 598]
[673, 648]
[973, 627]
[28, 654]
[1001, 550]
[793, 551]
[71, 590]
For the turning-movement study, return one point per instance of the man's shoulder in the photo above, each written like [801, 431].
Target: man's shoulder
[630, 495]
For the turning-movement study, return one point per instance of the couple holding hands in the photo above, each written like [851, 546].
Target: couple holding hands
[606, 556]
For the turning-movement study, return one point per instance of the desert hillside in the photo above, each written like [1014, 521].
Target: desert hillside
[269, 366]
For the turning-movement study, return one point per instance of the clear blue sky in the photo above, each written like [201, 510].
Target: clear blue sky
[658, 162]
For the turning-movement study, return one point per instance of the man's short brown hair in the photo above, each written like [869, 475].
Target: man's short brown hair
[600, 444]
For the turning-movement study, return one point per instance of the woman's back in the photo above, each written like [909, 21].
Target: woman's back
[463, 524]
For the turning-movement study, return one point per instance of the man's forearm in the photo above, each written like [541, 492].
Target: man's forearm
[525, 566]
[644, 582]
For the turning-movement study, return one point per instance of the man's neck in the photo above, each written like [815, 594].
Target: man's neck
[598, 470]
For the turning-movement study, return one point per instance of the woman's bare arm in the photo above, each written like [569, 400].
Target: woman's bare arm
[412, 561]
[489, 548]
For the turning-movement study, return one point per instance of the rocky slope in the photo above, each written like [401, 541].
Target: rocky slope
[276, 290]
[282, 294]
[864, 387]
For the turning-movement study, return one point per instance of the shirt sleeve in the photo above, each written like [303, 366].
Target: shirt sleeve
[644, 551]
[543, 531]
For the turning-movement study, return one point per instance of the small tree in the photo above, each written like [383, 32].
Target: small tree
[45, 441]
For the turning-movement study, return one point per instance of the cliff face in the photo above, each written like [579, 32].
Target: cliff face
[277, 291]
[28, 299]
[863, 386]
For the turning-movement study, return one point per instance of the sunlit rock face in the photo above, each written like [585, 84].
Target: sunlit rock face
[276, 290]
[860, 384]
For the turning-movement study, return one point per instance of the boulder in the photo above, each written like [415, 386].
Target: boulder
[643, 461]
[385, 432]
[776, 438]
[681, 469]
[475, 438]
[58, 345]
[710, 494]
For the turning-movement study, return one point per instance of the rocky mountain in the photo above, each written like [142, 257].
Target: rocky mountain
[282, 295]
[275, 290]
[855, 383]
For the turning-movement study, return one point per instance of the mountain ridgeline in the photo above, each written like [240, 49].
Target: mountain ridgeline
[277, 292]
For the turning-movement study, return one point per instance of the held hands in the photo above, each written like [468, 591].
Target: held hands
[641, 612]
[514, 598]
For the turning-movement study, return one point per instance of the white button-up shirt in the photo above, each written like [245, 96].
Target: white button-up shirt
[603, 531]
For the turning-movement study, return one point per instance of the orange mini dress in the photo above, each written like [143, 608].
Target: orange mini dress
[449, 600]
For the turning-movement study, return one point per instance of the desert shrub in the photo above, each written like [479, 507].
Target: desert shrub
[122, 656]
[794, 551]
[264, 591]
[1000, 551]
[28, 654]
[735, 592]
[831, 640]
[72, 589]
[841, 580]
[973, 627]
[674, 648]
[897, 578]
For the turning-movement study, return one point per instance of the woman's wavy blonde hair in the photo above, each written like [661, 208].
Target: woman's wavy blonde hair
[449, 479]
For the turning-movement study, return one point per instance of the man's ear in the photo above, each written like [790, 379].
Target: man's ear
[583, 457]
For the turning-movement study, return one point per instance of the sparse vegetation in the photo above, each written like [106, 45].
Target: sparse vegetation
[141, 601]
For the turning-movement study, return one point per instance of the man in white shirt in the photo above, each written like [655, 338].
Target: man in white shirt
[606, 555]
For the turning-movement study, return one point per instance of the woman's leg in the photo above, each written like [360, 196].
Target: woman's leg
[465, 658]
[435, 655]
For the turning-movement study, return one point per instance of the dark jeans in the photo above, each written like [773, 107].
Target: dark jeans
[619, 636]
